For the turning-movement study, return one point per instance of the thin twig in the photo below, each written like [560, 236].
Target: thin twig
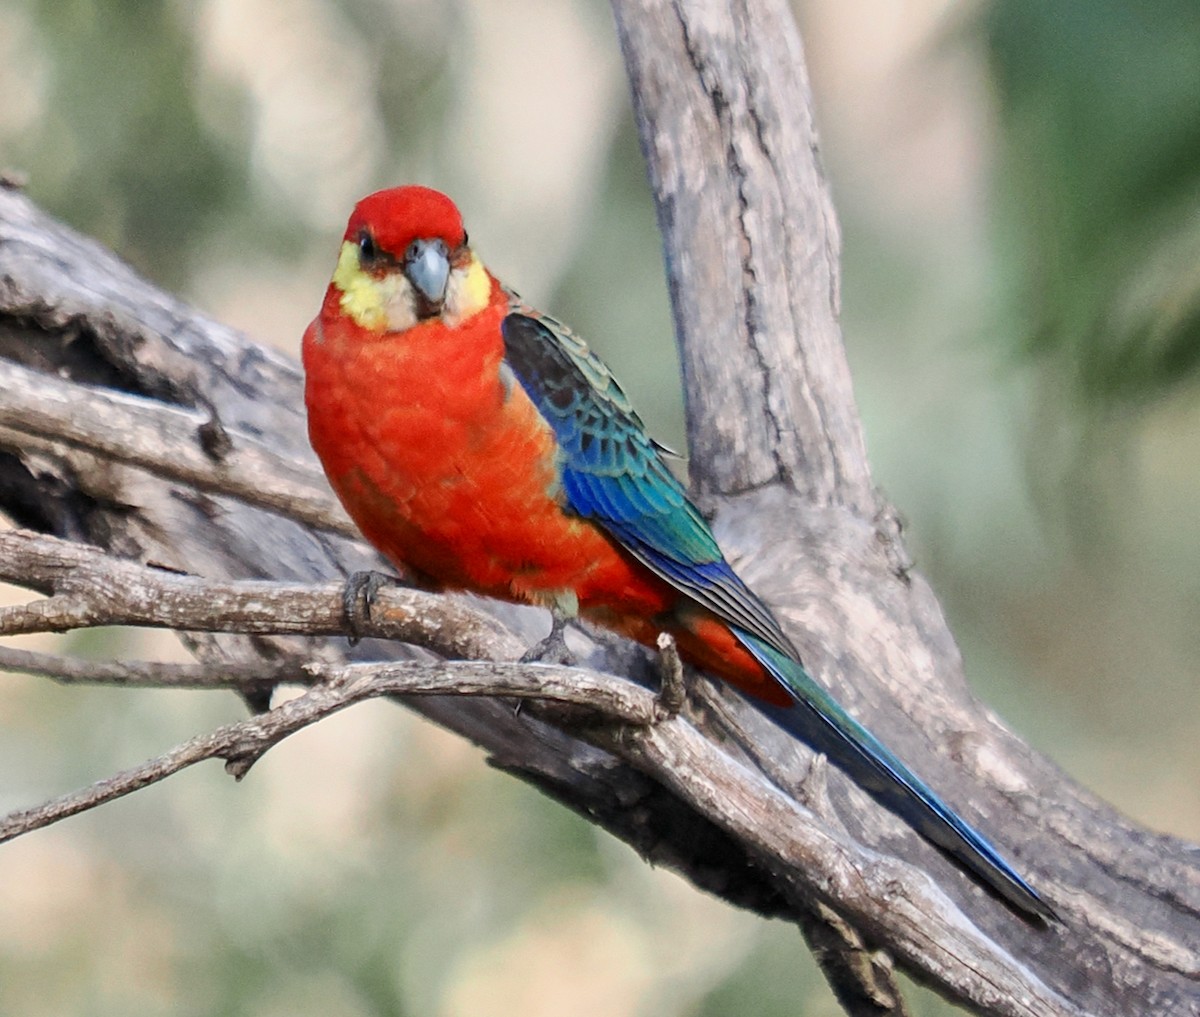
[244, 742]
[152, 673]
[672, 692]
[673, 752]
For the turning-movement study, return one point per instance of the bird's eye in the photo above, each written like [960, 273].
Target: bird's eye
[368, 250]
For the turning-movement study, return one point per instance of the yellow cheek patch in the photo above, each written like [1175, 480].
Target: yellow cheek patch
[380, 303]
[386, 304]
[467, 292]
[361, 296]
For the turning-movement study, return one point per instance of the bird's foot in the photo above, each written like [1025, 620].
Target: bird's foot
[672, 689]
[357, 597]
[553, 649]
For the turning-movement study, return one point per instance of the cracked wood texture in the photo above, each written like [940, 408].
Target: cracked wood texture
[752, 246]
[777, 455]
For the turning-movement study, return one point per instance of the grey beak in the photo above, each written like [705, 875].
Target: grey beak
[427, 265]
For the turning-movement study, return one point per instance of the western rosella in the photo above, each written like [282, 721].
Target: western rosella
[482, 445]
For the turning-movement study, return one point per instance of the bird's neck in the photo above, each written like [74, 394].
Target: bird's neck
[431, 352]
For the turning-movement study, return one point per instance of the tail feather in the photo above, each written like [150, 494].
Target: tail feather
[825, 725]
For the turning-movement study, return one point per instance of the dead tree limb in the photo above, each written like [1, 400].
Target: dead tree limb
[333, 689]
[719, 793]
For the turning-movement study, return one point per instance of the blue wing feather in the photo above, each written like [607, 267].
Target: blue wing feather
[613, 473]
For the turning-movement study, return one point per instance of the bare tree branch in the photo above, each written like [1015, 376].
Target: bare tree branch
[148, 674]
[243, 743]
[168, 441]
[672, 749]
[718, 793]
[92, 588]
[752, 246]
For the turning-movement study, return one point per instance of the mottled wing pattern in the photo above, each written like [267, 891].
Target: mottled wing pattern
[613, 472]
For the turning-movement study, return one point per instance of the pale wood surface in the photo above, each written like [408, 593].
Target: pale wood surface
[112, 442]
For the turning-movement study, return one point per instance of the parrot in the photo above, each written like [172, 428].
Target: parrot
[480, 445]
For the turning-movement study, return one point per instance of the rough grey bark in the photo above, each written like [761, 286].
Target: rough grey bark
[752, 248]
[191, 454]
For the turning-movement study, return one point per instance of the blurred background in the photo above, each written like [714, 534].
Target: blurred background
[1018, 184]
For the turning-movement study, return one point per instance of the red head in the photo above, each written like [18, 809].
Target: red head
[400, 215]
[405, 260]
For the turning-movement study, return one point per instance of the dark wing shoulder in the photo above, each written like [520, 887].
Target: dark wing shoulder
[613, 472]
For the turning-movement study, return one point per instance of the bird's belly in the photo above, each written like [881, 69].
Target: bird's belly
[471, 501]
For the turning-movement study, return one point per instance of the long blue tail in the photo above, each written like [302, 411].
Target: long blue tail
[825, 725]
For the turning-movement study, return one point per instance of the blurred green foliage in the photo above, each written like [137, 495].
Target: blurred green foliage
[217, 145]
[124, 155]
[1099, 171]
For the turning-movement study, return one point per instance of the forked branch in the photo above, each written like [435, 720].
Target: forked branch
[130, 423]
